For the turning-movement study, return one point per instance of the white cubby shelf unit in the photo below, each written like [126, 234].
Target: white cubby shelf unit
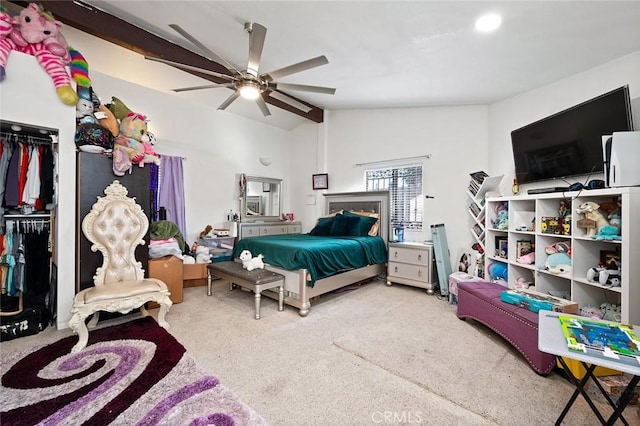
[525, 220]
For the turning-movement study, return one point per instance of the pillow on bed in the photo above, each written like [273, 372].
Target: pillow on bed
[323, 227]
[344, 225]
[369, 223]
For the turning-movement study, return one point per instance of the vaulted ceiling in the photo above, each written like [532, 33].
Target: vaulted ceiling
[382, 54]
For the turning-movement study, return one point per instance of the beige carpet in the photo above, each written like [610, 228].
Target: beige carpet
[373, 355]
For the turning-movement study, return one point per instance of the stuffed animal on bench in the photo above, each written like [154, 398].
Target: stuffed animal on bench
[249, 262]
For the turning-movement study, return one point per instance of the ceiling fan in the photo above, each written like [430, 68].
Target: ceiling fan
[250, 84]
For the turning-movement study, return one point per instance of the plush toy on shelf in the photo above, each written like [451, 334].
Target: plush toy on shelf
[498, 271]
[501, 222]
[591, 212]
[611, 312]
[558, 260]
[133, 133]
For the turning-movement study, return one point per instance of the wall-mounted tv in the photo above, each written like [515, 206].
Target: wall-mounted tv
[569, 143]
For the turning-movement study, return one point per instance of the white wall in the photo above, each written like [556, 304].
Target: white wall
[456, 138]
[531, 106]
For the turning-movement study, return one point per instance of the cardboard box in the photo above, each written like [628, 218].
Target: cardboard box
[194, 271]
[169, 270]
[536, 301]
[613, 386]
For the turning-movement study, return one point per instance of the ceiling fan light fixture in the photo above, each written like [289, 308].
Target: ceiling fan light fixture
[249, 90]
[489, 22]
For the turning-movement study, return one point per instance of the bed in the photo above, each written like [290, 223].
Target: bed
[317, 264]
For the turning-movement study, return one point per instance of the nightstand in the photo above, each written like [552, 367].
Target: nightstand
[411, 264]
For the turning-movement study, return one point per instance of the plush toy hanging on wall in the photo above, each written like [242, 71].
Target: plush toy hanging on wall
[35, 32]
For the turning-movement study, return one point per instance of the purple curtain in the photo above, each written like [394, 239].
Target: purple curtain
[171, 191]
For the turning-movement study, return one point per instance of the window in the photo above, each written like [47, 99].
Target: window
[405, 186]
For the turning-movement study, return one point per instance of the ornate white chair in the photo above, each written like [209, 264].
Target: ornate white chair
[116, 225]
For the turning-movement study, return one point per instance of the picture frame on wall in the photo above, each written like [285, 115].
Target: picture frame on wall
[321, 181]
[266, 187]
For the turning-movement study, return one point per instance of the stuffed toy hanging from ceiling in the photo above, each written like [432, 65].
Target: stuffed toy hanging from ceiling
[35, 32]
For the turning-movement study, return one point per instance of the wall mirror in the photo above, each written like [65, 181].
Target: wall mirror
[261, 200]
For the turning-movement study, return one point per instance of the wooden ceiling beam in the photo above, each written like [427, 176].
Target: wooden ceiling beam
[98, 23]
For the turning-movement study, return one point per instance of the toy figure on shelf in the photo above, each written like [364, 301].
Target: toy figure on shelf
[594, 218]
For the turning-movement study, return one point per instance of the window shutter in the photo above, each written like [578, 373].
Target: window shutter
[405, 187]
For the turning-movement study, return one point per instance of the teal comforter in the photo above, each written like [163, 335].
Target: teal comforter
[321, 256]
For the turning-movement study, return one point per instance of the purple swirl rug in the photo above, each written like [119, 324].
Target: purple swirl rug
[130, 374]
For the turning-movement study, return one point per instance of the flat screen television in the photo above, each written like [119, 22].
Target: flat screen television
[569, 143]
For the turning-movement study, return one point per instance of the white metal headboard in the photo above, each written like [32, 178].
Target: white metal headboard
[373, 201]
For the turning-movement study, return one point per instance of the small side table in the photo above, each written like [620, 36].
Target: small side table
[551, 340]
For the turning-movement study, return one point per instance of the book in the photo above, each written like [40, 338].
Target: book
[612, 339]
[478, 176]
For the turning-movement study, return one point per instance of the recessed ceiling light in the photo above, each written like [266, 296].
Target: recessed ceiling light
[488, 22]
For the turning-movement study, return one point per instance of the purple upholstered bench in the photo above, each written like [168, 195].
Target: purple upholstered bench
[480, 301]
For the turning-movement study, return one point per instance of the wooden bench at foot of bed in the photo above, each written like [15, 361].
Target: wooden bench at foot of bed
[256, 280]
[481, 302]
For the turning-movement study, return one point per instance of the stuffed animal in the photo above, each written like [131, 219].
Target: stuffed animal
[206, 232]
[36, 33]
[202, 255]
[608, 233]
[498, 271]
[558, 260]
[249, 262]
[118, 108]
[133, 132]
[84, 112]
[465, 262]
[610, 312]
[591, 312]
[528, 259]
[150, 156]
[591, 211]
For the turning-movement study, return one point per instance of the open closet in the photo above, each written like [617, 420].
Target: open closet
[28, 197]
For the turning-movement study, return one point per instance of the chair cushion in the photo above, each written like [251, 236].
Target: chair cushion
[119, 290]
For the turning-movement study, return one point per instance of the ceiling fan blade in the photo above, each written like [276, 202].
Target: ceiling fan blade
[305, 88]
[263, 106]
[229, 100]
[288, 100]
[256, 43]
[213, 55]
[206, 86]
[295, 68]
[190, 68]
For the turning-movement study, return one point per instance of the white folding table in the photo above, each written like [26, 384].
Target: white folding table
[551, 340]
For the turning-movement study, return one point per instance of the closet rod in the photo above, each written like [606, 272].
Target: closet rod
[394, 159]
[25, 138]
[27, 216]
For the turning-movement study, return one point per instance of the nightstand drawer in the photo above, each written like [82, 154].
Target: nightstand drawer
[408, 271]
[410, 255]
